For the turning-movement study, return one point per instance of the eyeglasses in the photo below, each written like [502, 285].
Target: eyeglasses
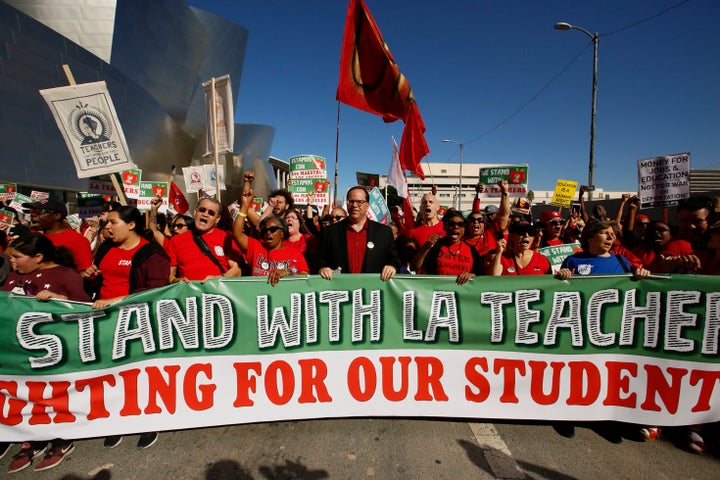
[356, 202]
[338, 217]
[179, 225]
[524, 230]
[210, 212]
[272, 230]
[660, 230]
[450, 223]
[642, 224]
[475, 220]
[555, 223]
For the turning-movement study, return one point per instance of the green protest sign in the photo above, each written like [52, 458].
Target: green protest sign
[237, 351]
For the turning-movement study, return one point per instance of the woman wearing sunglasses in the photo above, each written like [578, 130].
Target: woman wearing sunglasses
[516, 256]
[268, 256]
[451, 255]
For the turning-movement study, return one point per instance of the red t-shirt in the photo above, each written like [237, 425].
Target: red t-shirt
[539, 265]
[192, 263]
[115, 269]
[485, 242]
[78, 245]
[422, 233]
[263, 261]
[454, 259]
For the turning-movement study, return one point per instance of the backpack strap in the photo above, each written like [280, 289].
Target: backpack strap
[205, 249]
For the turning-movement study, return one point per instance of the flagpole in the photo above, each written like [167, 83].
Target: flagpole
[337, 142]
[215, 138]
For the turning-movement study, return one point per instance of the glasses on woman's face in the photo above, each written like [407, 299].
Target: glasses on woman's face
[210, 212]
[179, 225]
[555, 223]
[450, 223]
[475, 220]
[273, 230]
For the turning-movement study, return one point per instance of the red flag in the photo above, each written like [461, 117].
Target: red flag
[370, 80]
[177, 199]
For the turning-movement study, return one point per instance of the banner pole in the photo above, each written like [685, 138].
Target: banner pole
[215, 139]
[113, 177]
[337, 142]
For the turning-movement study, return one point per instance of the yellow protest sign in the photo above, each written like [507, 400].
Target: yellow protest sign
[564, 193]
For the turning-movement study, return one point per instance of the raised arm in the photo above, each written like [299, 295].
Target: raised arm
[239, 234]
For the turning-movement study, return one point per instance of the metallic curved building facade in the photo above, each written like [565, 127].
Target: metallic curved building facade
[153, 55]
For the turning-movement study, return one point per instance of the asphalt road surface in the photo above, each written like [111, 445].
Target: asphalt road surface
[378, 449]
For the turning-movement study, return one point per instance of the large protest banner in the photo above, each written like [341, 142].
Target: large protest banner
[86, 117]
[241, 351]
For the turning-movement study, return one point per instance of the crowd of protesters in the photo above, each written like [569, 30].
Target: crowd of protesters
[124, 251]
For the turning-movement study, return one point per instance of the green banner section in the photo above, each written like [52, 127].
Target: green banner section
[673, 318]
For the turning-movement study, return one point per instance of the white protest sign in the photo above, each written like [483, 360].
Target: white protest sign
[87, 120]
[194, 178]
[664, 180]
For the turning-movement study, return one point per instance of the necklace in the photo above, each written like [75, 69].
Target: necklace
[459, 245]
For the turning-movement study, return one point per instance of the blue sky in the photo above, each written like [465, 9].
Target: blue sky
[485, 73]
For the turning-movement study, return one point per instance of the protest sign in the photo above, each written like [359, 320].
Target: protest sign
[308, 173]
[38, 195]
[564, 193]
[664, 180]
[17, 202]
[6, 219]
[148, 192]
[221, 116]
[131, 182]
[90, 205]
[516, 176]
[7, 191]
[232, 351]
[210, 180]
[194, 178]
[87, 120]
[556, 254]
[377, 208]
[101, 185]
[367, 180]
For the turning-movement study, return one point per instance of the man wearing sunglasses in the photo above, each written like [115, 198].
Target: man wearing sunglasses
[203, 251]
[358, 244]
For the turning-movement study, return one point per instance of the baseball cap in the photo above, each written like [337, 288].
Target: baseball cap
[47, 205]
[642, 216]
[491, 209]
[547, 215]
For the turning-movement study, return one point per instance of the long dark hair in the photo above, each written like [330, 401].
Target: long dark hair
[37, 243]
[131, 214]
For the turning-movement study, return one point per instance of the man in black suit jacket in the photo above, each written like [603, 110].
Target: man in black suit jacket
[358, 244]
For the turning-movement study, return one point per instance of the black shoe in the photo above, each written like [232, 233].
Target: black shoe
[566, 429]
[610, 431]
[112, 442]
[147, 439]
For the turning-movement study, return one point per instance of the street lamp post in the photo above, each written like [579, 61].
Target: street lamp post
[596, 40]
[460, 145]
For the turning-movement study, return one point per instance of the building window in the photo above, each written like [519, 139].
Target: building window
[443, 171]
